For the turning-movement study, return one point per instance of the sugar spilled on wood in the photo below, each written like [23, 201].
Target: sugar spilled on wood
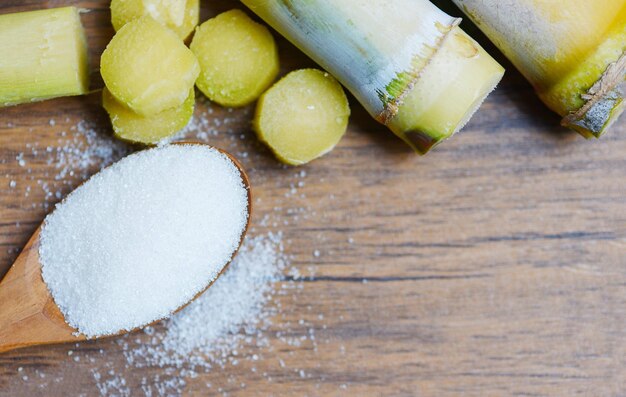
[80, 150]
[143, 237]
[235, 310]
[276, 321]
[234, 304]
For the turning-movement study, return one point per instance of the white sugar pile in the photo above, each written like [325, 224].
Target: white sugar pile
[143, 237]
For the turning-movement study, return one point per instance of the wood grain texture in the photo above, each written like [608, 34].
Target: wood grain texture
[494, 266]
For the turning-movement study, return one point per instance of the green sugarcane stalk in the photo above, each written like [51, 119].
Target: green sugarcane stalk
[43, 54]
[573, 52]
[406, 61]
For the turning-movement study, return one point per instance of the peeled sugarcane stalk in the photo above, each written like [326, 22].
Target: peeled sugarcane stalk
[573, 52]
[406, 61]
[43, 54]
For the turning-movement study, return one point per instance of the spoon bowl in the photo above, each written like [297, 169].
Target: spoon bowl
[28, 314]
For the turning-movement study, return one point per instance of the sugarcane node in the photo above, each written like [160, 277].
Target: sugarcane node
[392, 106]
[611, 88]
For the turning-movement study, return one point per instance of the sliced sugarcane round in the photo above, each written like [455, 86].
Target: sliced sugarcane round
[148, 68]
[238, 58]
[132, 127]
[303, 116]
[180, 16]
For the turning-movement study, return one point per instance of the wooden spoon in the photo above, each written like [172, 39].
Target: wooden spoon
[28, 314]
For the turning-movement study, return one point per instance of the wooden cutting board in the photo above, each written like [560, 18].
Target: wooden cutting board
[494, 266]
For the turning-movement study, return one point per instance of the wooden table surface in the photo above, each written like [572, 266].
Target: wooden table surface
[494, 266]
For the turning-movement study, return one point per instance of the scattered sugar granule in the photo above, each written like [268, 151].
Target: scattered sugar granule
[203, 336]
[20, 160]
[143, 237]
[204, 332]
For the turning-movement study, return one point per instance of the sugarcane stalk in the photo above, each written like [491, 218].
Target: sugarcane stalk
[406, 61]
[43, 54]
[573, 53]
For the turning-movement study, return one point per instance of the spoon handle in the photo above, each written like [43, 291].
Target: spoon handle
[28, 314]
